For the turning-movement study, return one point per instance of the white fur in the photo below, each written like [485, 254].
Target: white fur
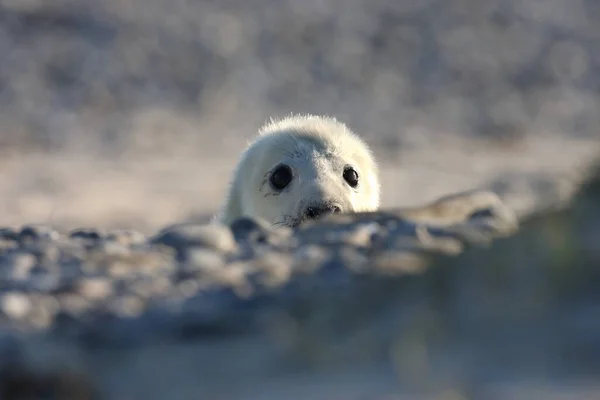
[317, 149]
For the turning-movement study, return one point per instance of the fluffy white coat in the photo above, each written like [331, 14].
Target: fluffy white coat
[317, 150]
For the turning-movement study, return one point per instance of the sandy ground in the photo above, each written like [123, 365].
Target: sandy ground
[145, 192]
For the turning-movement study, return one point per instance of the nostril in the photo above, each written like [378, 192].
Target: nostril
[316, 212]
[312, 212]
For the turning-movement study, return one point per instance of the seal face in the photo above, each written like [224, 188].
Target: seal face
[302, 167]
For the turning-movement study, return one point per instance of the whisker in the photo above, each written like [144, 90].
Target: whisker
[285, 151]
[294, 140]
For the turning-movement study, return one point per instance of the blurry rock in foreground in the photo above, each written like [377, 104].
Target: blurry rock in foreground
[516, 320]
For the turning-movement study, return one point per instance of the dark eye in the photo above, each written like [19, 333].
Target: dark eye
[351, 177]
[281, 177]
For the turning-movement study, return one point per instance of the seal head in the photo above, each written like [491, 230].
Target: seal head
[302, 167]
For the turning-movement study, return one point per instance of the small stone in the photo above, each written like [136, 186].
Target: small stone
[309, 258]
[21, 265]
[146, 288]
[212, 236]
[114, 248]
[127, 306]
[250, 230]
[362, 235]
[188, 287]
[234, 275]
[440, 244]
[37, 232]
[72, 303]
[119, 269]
[95, 288]
[276, 268]
[8, 234]
[46, 253]
[43, 312]
[354, 259]
[254, 231]
[46, 282]
[126, 237]
[6, 245]
[85, 234]
[283, 236]
[15, 305]
[203, 258]
[392, 262]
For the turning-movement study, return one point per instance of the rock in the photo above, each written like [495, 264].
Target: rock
[213, 236]
[250, 230]
[46, 253]
[202, 258]
[37, 232]
[88, 234]
[310, 257]
[15, 305]
[8, 234]
[372, 293]
[95, 288]
[18, 265]
[272, 269]
[126, 237]
[74, 304]
[127, 306]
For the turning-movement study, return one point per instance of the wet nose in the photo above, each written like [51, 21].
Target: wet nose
[314, 212]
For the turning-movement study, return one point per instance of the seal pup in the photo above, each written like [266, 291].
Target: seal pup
[302, 167]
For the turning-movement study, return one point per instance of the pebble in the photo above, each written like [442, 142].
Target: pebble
[114, 248]
[45, 252]
[86, 234]
[37, 231]
[119, 269]
[95, 288]
[147, 288]
[394, 262]
[202, 258]
[188, 287]
[249, 230]
[7, 244]
[362, 235]
[127, 306]
[354, 259]
[275, 268]
[15, 305]
[212, 236]
[43, 311]
[308, 258]
[74, 304]
[126, 237]
[8, 234]
[46, 283]
[88, 273]
[21, 264]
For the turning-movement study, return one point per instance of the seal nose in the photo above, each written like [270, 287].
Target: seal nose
[315, 212]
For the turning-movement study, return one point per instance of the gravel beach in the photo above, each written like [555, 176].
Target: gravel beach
[120, 124]
[354, 306]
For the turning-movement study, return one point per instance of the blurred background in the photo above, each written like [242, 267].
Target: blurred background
[132, 113]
